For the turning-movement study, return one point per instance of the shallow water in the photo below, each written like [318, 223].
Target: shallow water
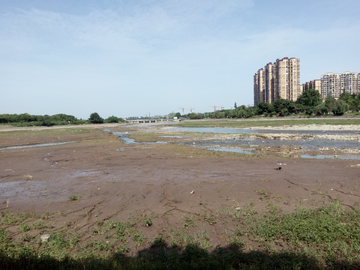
[313, 144]
[124, 137]
[236, 144]
[247, 151]
[310, 144]
[253, 131]
[34, 145]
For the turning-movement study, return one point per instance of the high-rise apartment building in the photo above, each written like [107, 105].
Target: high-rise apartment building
[279, 79]
[330, 85]
[269, 83]
[314, 84]
[349, 82]
[259, 94]
[335, 84]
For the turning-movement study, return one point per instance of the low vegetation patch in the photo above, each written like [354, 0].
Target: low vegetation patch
[322, 238]
[74, 198]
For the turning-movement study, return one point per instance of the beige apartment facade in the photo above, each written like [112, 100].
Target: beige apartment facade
[279, 79]
[330, 85]
[269, 83]
[349, 82]
[259, 94]
[314, 84]
[334, 84]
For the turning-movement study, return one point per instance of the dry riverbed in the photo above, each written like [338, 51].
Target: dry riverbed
[173, 190]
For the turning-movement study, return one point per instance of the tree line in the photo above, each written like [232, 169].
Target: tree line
[309, 104]
[26, 119]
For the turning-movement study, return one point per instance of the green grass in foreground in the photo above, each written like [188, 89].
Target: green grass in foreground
[265, 123]
[323, 238]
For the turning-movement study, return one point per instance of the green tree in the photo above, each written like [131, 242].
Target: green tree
[341, 107]
[350, 100]
[95, 118]
[196, 115]
[264, 107]
[310, 98]
[284, 107]
[113, 119]
[321, 109]
[337, 107]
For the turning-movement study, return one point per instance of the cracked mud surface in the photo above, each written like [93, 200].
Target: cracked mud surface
[169, 183]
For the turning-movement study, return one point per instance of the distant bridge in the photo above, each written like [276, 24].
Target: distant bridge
[150, 121]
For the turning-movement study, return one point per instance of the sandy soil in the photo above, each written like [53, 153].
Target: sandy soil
[168, 182]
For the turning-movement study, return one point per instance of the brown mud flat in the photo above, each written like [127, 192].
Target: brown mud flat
[181, 189]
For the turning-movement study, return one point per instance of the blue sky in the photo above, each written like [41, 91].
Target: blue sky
[135, 58]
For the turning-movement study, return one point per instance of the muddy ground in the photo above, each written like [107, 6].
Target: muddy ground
[171, 184]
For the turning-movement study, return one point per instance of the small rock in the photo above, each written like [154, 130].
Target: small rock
[28, 177]
[44, 237]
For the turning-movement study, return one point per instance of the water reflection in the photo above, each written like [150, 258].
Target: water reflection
[34, 145]
[125, 138]
[247, 151]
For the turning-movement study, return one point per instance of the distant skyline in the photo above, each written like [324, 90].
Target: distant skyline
[132, 58]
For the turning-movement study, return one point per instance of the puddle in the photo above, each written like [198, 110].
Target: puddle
[34, 145]
[247, 151]
[216, 130]
[253, 131]
[124, 137]
[313, 144]
[331, 157]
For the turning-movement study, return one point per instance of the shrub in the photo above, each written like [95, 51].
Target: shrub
[95, 118]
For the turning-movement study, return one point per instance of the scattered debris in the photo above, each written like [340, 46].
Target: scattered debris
[7, 202]
[28, 177]
[44, 237]
[353, 166]
[280, 164]
[192, 192]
